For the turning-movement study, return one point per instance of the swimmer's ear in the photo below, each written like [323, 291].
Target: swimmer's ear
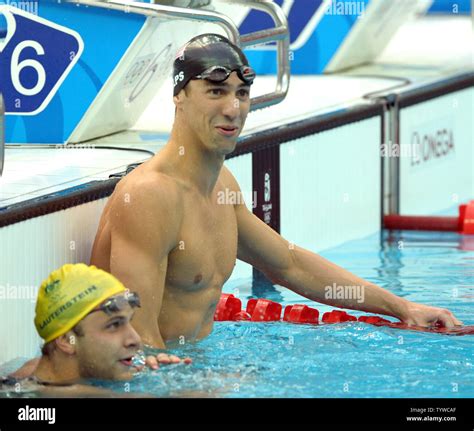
[178, 99]
[67, 343]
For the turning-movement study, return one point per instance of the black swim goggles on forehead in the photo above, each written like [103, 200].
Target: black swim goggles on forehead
[118, 303]
[219, 74]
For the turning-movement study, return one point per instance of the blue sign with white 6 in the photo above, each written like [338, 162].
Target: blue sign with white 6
[36, 55]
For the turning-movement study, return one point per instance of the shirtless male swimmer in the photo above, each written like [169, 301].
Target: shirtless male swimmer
[165, 234]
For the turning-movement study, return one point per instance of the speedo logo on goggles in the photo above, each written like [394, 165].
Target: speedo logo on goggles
[66, 306]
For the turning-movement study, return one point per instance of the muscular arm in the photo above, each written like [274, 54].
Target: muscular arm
[143, 232]
[308, 274]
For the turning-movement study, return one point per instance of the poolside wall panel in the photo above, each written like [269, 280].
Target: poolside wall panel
[330, 185]
[441, 174]
[29, 251]
[241, 168]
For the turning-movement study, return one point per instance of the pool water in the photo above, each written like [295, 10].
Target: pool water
[279, 359]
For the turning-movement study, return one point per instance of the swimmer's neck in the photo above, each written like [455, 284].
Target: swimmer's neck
[192, 161]
[56, 369]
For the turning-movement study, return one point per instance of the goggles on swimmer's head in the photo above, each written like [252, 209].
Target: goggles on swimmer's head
[118, 303]
[220, 74]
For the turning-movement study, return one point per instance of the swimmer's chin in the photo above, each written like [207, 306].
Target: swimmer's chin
[225, 146]
[126, 376]
[121, 374]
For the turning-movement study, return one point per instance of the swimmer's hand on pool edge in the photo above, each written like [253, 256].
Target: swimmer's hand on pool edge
[154, 362]
[414, 314]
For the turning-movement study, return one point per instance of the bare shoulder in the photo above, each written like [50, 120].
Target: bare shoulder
[146, 190]
[147, 206]
[228, 179]
[27, 369]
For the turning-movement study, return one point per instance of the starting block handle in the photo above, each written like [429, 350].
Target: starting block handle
[280, 34]
[172, 12]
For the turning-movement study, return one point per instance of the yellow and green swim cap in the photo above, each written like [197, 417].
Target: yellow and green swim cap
[68, 295]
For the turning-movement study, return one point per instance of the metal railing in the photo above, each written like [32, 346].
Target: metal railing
[162, 11]
[2, 134]
[279, 34]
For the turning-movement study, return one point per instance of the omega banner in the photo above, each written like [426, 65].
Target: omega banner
[436, 153]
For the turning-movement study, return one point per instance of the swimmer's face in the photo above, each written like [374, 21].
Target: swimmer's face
[216, 112]
[107, 346]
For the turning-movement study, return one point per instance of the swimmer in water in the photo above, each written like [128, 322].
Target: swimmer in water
[167, 234]
[84, 316]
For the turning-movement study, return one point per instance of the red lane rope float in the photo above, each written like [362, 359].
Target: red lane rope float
[263, 310]
[300, 314]
[229, 308]
[338, 316]
[463, 223]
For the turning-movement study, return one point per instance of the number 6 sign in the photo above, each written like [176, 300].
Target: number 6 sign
[35, 58]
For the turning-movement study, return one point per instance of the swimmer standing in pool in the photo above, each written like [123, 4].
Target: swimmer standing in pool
[165, 234]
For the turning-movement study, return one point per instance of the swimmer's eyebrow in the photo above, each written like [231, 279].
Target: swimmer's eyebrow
[224, 84]
[119, 317]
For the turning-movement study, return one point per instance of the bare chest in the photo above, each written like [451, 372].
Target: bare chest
[207, 248]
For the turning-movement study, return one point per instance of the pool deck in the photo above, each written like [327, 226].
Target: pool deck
[439, 47]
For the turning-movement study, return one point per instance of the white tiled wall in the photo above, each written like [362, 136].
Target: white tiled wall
[29, 251]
